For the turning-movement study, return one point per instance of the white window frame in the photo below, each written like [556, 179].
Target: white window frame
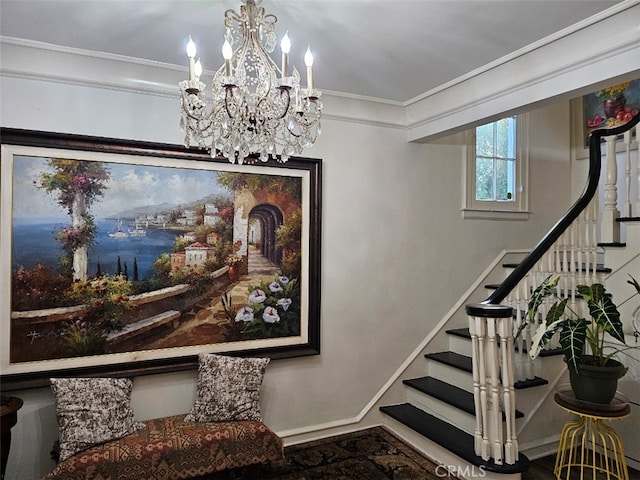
[518, 209]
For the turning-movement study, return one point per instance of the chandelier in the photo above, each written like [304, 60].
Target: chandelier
[259, 110]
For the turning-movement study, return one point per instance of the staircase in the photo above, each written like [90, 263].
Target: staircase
[440, 406]
[457, 413]
[451, 422]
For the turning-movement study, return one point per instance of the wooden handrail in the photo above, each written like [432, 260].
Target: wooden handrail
[491, 327]
[593, 178]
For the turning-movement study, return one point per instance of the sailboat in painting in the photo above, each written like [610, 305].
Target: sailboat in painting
[119, 233]
[138, 231]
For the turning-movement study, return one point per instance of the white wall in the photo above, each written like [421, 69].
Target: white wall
[396, 253]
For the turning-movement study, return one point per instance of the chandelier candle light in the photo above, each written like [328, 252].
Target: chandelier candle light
[258, 110]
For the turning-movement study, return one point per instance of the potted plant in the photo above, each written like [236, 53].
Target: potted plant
[588, 352]
[234, 261]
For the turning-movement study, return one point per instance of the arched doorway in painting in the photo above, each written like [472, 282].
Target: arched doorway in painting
[263, 221]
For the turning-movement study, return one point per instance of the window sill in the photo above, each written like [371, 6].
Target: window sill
[511, 215]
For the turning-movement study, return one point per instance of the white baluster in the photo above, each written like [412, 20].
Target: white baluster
[481, 327]
[580, 246]
[626, 208]
[520, 356]
[476, 327]
[493, 358]
[505, 329]
[593, 209]
[573, 264]
[565, 259]
[637, 210]
[610, 229]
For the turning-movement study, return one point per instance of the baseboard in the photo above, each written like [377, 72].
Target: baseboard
[325, 430]
[541, 447]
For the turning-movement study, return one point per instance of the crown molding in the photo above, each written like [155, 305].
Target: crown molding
[43, 62]
[568, 64]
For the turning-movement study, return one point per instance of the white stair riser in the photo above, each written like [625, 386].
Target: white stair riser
[460, 345]
[454, 376]
[442, 410]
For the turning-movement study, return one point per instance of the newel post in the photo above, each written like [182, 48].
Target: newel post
[610, 228]
[491, 329]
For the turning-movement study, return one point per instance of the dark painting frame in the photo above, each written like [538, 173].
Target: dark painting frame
[304, 171]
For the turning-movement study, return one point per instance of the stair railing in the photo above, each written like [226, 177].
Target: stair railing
[628, 206]
[569, 248]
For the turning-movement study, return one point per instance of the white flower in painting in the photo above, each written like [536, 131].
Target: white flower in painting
[245, 314]
[275, 287]
[257, 296]
[270, 315]
[283, 279]
[285, 303]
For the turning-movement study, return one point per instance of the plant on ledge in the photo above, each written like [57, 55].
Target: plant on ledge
[583, 341]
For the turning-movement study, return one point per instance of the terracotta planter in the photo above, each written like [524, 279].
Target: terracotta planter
[595, 384]
[234, 272]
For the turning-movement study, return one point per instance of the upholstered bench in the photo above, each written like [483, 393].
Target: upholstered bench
[171, 448]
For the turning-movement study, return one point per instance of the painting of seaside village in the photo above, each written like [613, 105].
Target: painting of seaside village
[110, 257]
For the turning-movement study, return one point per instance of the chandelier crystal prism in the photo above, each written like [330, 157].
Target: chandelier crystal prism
[259, 110]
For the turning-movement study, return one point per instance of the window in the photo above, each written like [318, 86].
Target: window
[497, 170]
[496, 161]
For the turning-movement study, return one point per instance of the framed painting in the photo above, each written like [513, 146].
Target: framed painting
[610, 107]
[123, 258]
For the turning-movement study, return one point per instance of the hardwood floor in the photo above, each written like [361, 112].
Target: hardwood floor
[542, 469]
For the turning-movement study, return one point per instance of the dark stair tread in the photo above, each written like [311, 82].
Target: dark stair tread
[534, 382]
[599, 268]
[550, 352]
[510, 265]
[460, 332]
[547, 352]
[612, 244]
[453, 439]
[628, 219]
[464, 333]
[465, 363]
[452, 359]
[454, 396]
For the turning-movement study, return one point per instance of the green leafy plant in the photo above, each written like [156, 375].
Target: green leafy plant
[107, 296]
[272, 309]
[83, 338]
[579, 336]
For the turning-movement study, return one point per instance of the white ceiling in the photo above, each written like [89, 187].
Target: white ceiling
[386, 49]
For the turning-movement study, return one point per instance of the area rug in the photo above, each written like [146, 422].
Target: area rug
[372, 454]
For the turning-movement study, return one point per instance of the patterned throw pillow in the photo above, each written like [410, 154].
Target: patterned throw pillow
[92, 411]
[228, 389]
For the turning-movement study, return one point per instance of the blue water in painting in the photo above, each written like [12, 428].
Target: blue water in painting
[34, 242]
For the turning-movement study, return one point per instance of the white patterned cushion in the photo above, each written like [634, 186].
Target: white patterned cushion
[92, 411]
[228, 389]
